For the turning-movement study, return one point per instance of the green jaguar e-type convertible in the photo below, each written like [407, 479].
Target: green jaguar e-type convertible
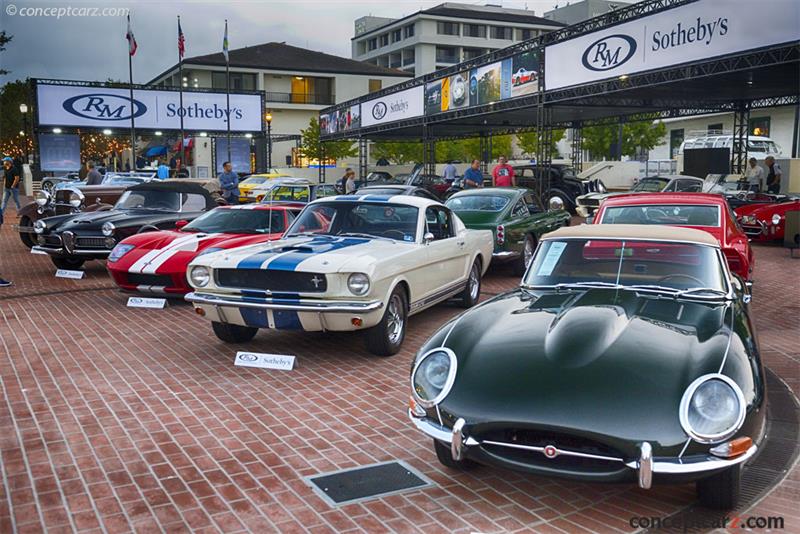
[626, 353]
[514, 215]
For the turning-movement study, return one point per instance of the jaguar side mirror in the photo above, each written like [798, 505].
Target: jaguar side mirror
[180, 224]
[427, 238]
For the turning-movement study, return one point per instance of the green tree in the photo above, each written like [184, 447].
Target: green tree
[399, 152]
[501, 145]
[4, 40]
[12, 95]
[598, 140]
[528, 142]
[311, 147]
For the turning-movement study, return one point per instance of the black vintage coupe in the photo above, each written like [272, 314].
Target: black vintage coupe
[72, 239]
[627, 354]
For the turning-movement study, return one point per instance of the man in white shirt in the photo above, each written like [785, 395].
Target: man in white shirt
[754, 175]
[449, 172]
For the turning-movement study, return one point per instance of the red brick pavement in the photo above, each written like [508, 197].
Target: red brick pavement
[120, 420]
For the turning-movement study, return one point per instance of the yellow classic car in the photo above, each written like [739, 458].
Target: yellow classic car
[254, 185]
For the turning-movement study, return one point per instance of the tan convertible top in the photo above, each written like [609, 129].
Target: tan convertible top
[634, 231]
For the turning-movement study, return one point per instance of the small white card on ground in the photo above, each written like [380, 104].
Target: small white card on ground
[39, 252]
[66, 273]
[146, 302]
[281, 362]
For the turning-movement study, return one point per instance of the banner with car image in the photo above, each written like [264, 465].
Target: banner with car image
[501, 80]
[341, 120]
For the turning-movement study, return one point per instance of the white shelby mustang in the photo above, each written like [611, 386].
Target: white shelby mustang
[346, 263]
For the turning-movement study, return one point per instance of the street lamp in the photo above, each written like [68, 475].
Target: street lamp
[268, 118]
[23, 108]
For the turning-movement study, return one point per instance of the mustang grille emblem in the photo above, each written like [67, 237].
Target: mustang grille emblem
[68, 238]
[316, 281]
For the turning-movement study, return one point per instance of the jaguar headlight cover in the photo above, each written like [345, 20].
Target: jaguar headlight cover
[433, 376]
[39, 226]
[358, 284]
[712, 409]
[108, 229]
[119, 251]
[200, 276]
[76, 199]
[42, 198]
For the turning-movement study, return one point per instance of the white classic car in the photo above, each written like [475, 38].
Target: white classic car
[346, 263]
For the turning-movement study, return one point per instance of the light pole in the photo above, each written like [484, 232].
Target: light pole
[23, 108]
[268, 118]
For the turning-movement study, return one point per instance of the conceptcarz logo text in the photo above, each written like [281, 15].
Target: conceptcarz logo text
[609, 52]
[103, 107]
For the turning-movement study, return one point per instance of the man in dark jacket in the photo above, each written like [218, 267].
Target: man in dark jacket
[93, 177]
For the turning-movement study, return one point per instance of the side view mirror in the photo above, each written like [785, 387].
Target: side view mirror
[427, 238]
[180, 224]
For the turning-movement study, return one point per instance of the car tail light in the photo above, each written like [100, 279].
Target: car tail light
[501, 234]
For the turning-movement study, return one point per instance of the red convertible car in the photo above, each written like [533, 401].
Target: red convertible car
[522, 76]
[708, 212]
[155, 262]
[766, 222]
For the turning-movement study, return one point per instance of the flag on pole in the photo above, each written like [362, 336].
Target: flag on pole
[132, 46]
[181, 40]
[225, 42]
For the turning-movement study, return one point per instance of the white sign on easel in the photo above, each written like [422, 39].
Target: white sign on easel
[146, 302]
[66, 273]
[281, 362]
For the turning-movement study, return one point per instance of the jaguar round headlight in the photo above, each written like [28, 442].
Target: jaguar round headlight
[39, 226]
[42, 198]
[119, 251]
[712, 409]
[358, 284]
[433, 376]
[76, 199]
[776, 219]
[108, 229]
[199, 276]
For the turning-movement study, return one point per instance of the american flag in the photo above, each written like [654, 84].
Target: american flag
[181, 40]
[132, 46]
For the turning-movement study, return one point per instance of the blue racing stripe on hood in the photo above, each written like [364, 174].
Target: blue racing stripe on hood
[256, 260]
[289, 262]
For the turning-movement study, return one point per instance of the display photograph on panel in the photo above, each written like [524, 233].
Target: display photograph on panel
[323, 266]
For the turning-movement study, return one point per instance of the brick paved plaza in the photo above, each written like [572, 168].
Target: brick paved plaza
[117, 420]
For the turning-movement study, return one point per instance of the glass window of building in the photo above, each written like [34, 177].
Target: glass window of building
[397, 35]
[447, 28]
[375, 85]
[239, 81]
[372, 44]
[501, 32]
[474, 30]
[384, 39]
[523, 34]
[408, 31]
[759, 126]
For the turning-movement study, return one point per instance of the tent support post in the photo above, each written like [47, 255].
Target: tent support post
[544, 157]
[322, 163]
[741, 130]
[485, 151]
[363, 154]
[577, 146]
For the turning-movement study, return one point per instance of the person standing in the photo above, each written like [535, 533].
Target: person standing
[93, 177]
[162, 172]
[503, 174]
[11, 177]
[774, 174]
[229, 184]
[349, 181]
[473, 177]
[449, 172]
[754, 175]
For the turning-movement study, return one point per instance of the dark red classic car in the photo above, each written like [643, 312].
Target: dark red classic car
[766, 222]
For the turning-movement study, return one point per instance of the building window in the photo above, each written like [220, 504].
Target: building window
[472, 53]
[397, 35]
[372, 44]
[384, 39]
[675, 140]
[408, 31]
[759, 126]
[715, 128]
[408, 56]
[525, 33]
[375, 85]
[501, 32]
[475, 30]
[447, 28]
[446, 54]
[239, 81]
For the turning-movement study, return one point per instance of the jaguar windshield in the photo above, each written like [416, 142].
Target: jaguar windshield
[357, 219]
[236, 221]
[684, 269]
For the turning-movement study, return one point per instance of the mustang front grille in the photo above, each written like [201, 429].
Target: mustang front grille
[159, 280]
[272, 280]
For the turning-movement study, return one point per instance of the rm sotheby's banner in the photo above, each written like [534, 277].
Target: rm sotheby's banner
[393, 107]
[692, 32]
[104, 107]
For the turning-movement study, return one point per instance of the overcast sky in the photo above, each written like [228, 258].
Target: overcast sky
[94, 48]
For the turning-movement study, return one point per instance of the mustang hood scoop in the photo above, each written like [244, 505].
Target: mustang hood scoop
[566, 340]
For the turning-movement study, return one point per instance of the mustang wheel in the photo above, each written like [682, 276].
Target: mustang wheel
[24, 236]
[527, 255]
[446, 457]
[471, 293]
[385, 338]
[233, 333]
[720, 491]
[67, 263]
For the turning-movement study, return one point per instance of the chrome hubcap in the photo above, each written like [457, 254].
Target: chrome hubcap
[396, 322]
[474, 283]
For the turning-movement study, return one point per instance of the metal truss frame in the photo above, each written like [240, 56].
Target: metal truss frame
[363, 155]
[741, 122]
[576, 156]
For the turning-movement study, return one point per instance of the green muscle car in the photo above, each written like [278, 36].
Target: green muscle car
[514, 215]
[627, 353]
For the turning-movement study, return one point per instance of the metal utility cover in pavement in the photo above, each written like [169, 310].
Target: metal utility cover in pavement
[368, 482]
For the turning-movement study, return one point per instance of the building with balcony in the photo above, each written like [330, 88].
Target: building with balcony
[296, 82]
[441, 36]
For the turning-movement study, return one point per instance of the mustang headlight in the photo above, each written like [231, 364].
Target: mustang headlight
[200, 276]
[42, 198]
[119, 251]
[433, 376]
[712, 409]
[108, 229]
[76, 199]
[776, 219]
[39, 226]
[358, 284]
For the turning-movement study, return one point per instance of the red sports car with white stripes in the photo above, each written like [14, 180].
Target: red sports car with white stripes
[155, 262]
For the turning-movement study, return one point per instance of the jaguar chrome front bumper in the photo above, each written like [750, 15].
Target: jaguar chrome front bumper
[645, 465]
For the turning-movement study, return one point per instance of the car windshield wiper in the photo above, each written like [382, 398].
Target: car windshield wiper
[368, 236]
[653, 287]
[698, 291]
